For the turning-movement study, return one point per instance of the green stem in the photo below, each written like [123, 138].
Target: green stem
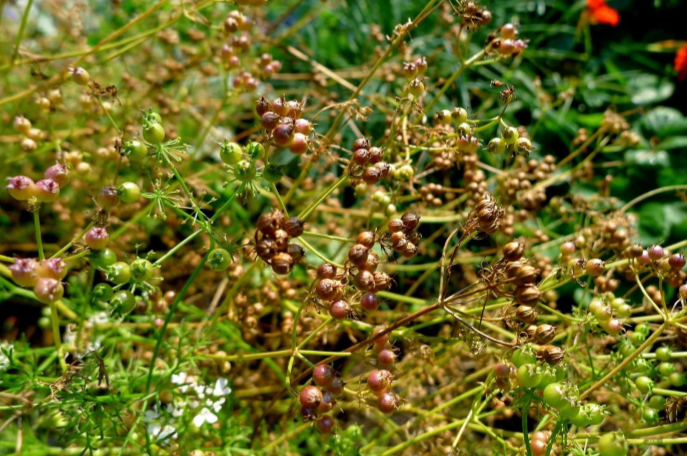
[453, 77]
[6, 259]
[279, 200]
[177, 247]
[317, 253]
[525, 433]
[307, 211]
[328, 237]
[56, 335]
[76, 239]
[39, 241]
[22, 29]
[554, 434]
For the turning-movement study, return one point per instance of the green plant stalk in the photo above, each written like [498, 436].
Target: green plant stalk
[39, 241]
[76, 239]
[177, 247]
[56, 336]
[554, 434]
[307, 245]
[279, 200]
[20, 34]
[307, 211]
[7, 259]
[525, 433]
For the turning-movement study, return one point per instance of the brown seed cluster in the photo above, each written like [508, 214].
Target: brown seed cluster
[274, 231]
[402, 235]
[284, 123]
[367, 163]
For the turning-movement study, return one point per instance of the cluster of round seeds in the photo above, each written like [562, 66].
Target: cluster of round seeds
[402, 235]
[366, 278]
[382, 350]
[44, 276]
[379, 383]
[519, 184]
[413, 72]
[367, 162]
[274, 231]
[330, 288]
[31, 136]
[506, 43]
[317, 401]
[47, 190]
[283, 120]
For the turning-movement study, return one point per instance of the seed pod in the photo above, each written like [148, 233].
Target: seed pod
[266, 248]
[358, 254]
[421, 65]
[364, 280]
[21, 188]
[513, 251]
[280, 106]
[552, 355]
[24, 272]
[382, 281]
[409, 250]
[376, 154]
[361, 143]
[366, 238]
[270, 222]
[310, 397]
[410, 221]
[414, 237]
[340, 310]
[369, 302]
[372, 175]
[634, 251]
[269, 120]
[409, 70]
[512, 269]
[398, 240]
[372, 262]
[395, 225]
[323, 375]
[262, 106]
[526, 314]
[326, 271]
[281, 240]
[595, 267]
[384, 169]
[326, 424]
[282, 263]
[530, 331]
[328, 289]
[293, 226]
[296, 251]
[48, 290]
[361, 157]
[527, 295]
[545, 333]
[284, 134]
[379, 382]
[58, 173]
[526, 275]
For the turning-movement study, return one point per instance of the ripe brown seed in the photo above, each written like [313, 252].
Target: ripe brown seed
[526, 275]
[376, 154]
[266, 248]
[293, 226]
[361, 143]
[410, 221]
[395, 225]
[595, 267]
[382, 281]
[358, 254]
[296, 251]
[281, 240]
[388, 402]
[310, 397]
[409, 250]
[263, 105]
[366, 238]
[513, 251]
[372, 262]
[526, 314]
[527, 295]
[282, 263]
[269, 222]
[361, 157]
[372, 175]
[364, 280]
[552, 355]
[398, 240]
[326, 271]
[269, 120]
[328, 289]
[545, 333]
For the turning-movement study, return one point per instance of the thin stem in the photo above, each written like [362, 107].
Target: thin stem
[20, 34]
[307, 211]
[177, 247]
[56, 335]
[525, 432]
[279, 200]
[76, 239]
[39, 240]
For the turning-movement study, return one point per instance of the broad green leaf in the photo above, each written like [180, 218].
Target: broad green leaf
[663, 122]
[648, 88]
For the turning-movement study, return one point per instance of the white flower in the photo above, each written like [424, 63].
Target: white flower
[161, 432]
[176, 410]
[205, 416]
[184, 380]
[200, 391]
[194, 404]
[217, 405]
[150, 415]
[221, 388]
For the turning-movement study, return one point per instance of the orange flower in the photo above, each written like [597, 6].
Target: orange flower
[681, 63]
[601, 13]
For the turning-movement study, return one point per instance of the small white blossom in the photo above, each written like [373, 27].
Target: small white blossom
[205, 416]
[160, 432]
[221, 388]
